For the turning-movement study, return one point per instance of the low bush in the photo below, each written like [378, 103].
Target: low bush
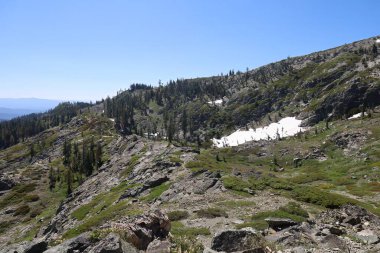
[178, 215]
[295, 209]
[22, 210]
[212, 213]
[31, 198]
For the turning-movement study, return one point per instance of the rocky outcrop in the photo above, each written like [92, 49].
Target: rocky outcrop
[280, 223]
[196, 183]
[349, 228]
[144, 229]
[159, 246]
[79, 243]
[35, 246]
[6, 184]
[146, 232]
[112, 244]
[247, 240]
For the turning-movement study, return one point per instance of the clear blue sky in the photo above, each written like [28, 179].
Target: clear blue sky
[88, 49]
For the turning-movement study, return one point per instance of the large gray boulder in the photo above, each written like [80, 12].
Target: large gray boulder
[368, 236]
[79, 243]
[280, 223]
[159, 246]
[145, 228]
[6, 184]
[112, 244]
[237, 240]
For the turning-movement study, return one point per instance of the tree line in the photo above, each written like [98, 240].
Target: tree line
[17, 130]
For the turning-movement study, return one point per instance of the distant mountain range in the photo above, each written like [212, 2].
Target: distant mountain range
[14, 107]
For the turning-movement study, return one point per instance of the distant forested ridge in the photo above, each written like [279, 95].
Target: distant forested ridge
[18, 129]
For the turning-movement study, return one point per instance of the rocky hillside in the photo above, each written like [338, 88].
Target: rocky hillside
[136, 178]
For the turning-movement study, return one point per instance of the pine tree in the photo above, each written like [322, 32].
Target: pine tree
[184, 123]
[98, 157]
[374, 49]
[69, 182]
[66, 152]
[171, 129]
[32, 151]
[51, 179]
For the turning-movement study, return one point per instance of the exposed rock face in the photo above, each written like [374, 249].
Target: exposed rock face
[133, 235]
[332, 229]
[237, 240]
[158, 246]
[112, 244]
[79, 243]
[36, 247]
[196, 183]
[368, 236]
[6, 184]
[146, 228]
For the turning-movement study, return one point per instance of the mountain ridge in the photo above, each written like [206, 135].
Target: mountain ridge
[99, 174]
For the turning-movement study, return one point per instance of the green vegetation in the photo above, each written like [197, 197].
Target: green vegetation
[156, 192]
[31, 198]
[22, 210]
[291, 211]
[212, 213]
[177, 215]
[236, 203]
[131, 165]
[178, 229]
[102, 208]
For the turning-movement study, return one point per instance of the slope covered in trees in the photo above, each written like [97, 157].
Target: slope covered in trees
[18, 129]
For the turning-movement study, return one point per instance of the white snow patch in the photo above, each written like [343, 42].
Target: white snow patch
[358, 115]
[378, 41]
[216, 102]
[288, 126]
[113, 120]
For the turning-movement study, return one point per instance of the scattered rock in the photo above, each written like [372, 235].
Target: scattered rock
[280, 223]
[237, 240]
[333, 241]
[155, 181]
[144, 229]
[6, 184]
[368, 236]
[158, 246]
[79, 243]
[336, 231]
[37, 247]
[112, 244]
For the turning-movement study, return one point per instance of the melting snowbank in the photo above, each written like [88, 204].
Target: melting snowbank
[216, 102]
[289, 126]
[358, 115]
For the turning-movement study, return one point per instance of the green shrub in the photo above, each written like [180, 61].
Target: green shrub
[156, 192]
[178, 229]
[31, 198]
[178, 215]
[35, 212]
[187, 244]
[212, 213]
[315, 196]
[22, 210]
[25, 188]
[236, 184]
[295, 209]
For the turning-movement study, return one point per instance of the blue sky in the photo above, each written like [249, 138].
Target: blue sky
[88, 49]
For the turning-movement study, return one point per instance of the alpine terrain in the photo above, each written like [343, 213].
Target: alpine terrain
[282, 158]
